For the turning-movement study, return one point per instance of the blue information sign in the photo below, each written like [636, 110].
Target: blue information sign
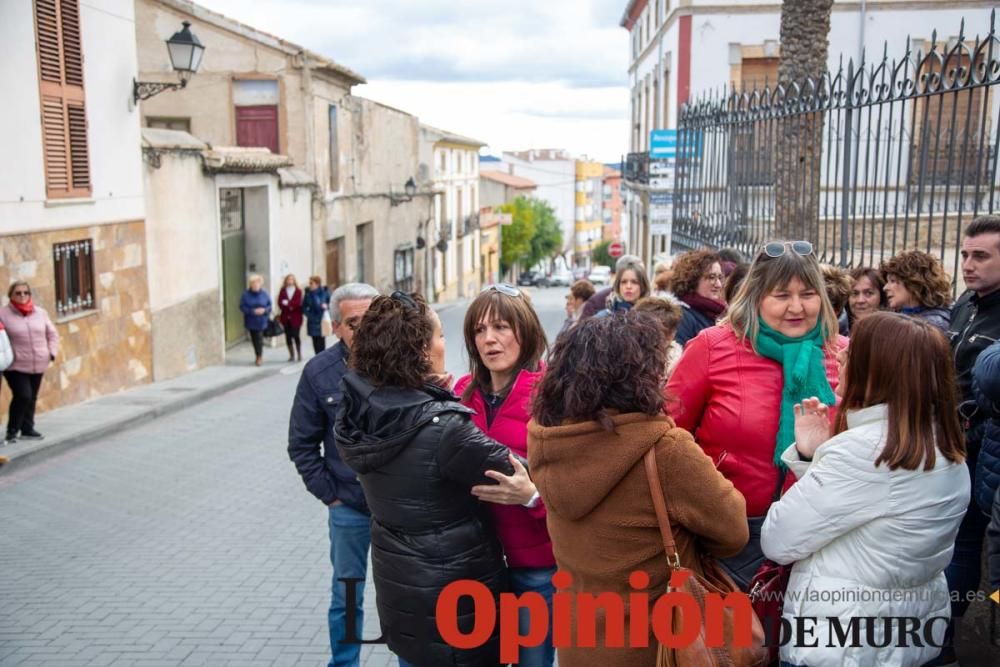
[662, 144]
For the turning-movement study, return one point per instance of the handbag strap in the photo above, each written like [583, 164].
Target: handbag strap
[660, 505]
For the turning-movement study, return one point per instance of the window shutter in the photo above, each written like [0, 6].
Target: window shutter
[54, 142]
[47, 22]
[79, 164]
[72, 49]
[64, 117]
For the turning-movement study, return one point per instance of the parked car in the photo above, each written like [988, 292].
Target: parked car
[579, 273]
[561, 278]
[532, 279]
[600, 275]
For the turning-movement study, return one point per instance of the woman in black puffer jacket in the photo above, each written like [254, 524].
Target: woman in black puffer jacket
[417, 455]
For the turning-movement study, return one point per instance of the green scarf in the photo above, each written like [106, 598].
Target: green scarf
[802, 365]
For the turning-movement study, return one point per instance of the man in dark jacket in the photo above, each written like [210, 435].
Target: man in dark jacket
[975, 324]
[312, 447]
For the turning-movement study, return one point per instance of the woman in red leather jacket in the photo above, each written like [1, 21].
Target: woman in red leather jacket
[505, 342]
[736, 383]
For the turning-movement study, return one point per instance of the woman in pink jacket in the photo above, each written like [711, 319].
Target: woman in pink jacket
[35, 343]
[505, 342]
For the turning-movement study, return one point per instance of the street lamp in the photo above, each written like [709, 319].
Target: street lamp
[410, 190]
[185, 51]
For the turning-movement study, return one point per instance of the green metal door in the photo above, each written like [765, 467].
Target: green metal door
[233, 283]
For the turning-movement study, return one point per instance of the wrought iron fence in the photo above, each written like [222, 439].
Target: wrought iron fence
[907, 156]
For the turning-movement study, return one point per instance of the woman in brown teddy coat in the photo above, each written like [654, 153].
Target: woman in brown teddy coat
[598, 410]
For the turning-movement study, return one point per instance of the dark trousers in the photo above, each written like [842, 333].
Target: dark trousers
[293, 337]
[257, 338]
[319, 343]
[24, 386]
[964, 571]
[745, 564]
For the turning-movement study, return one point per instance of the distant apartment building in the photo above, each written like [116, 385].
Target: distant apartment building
[589, 210]
[611, 205]
[497, 188]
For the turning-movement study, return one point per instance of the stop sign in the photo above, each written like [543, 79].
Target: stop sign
[616, 249]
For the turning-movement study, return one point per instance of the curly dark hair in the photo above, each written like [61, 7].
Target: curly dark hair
[391, 344]
[604, 363]
[667, 312]
[922, 275]
[689, 268]
[838, 286]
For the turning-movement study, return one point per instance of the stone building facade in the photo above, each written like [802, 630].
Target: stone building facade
[72, 215]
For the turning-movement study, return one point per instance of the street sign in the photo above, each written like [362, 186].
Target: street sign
[616, 249]
[663, 198]
[659, 229]
[662, 144]
[661, 213]
[661, 167]
[664, 182]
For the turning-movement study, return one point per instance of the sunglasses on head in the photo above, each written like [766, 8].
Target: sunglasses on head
[404, 299]
[503, 288]
[779, 248]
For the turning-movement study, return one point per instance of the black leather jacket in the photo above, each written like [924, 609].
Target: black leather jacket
[417, 454]
[314, 412]
[975, 325]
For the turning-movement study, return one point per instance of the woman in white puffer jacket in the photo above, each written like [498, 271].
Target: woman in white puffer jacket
[871, 522]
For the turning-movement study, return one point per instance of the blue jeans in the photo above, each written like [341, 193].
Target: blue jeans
[538, 580]
[350, 536]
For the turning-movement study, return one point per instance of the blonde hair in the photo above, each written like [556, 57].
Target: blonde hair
[284, 281]
[254, 277]
[767, 273]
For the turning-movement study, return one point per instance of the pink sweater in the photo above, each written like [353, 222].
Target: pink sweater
[33, 338]
[521, 530]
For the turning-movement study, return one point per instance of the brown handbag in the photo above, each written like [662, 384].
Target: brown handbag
[714, 580]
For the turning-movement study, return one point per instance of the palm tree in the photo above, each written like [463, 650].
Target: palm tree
[805, 26]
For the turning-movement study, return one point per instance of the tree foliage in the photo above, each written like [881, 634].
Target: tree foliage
[547, 241]
[599, 255]
[533, 235]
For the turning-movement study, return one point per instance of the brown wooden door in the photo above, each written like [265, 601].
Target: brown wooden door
[257, 126]
[334, 263]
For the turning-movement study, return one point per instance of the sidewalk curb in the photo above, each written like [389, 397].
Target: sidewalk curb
[44, 451]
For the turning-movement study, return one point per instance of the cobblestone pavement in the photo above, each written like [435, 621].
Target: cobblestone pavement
[187, 541]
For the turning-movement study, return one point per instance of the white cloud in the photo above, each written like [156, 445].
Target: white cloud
[514, 73]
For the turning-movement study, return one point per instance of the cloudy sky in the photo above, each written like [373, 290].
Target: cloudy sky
[513, 73]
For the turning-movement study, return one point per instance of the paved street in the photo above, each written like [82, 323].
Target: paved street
[189, 540]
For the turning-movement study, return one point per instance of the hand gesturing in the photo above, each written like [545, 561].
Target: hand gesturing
[812, 425]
